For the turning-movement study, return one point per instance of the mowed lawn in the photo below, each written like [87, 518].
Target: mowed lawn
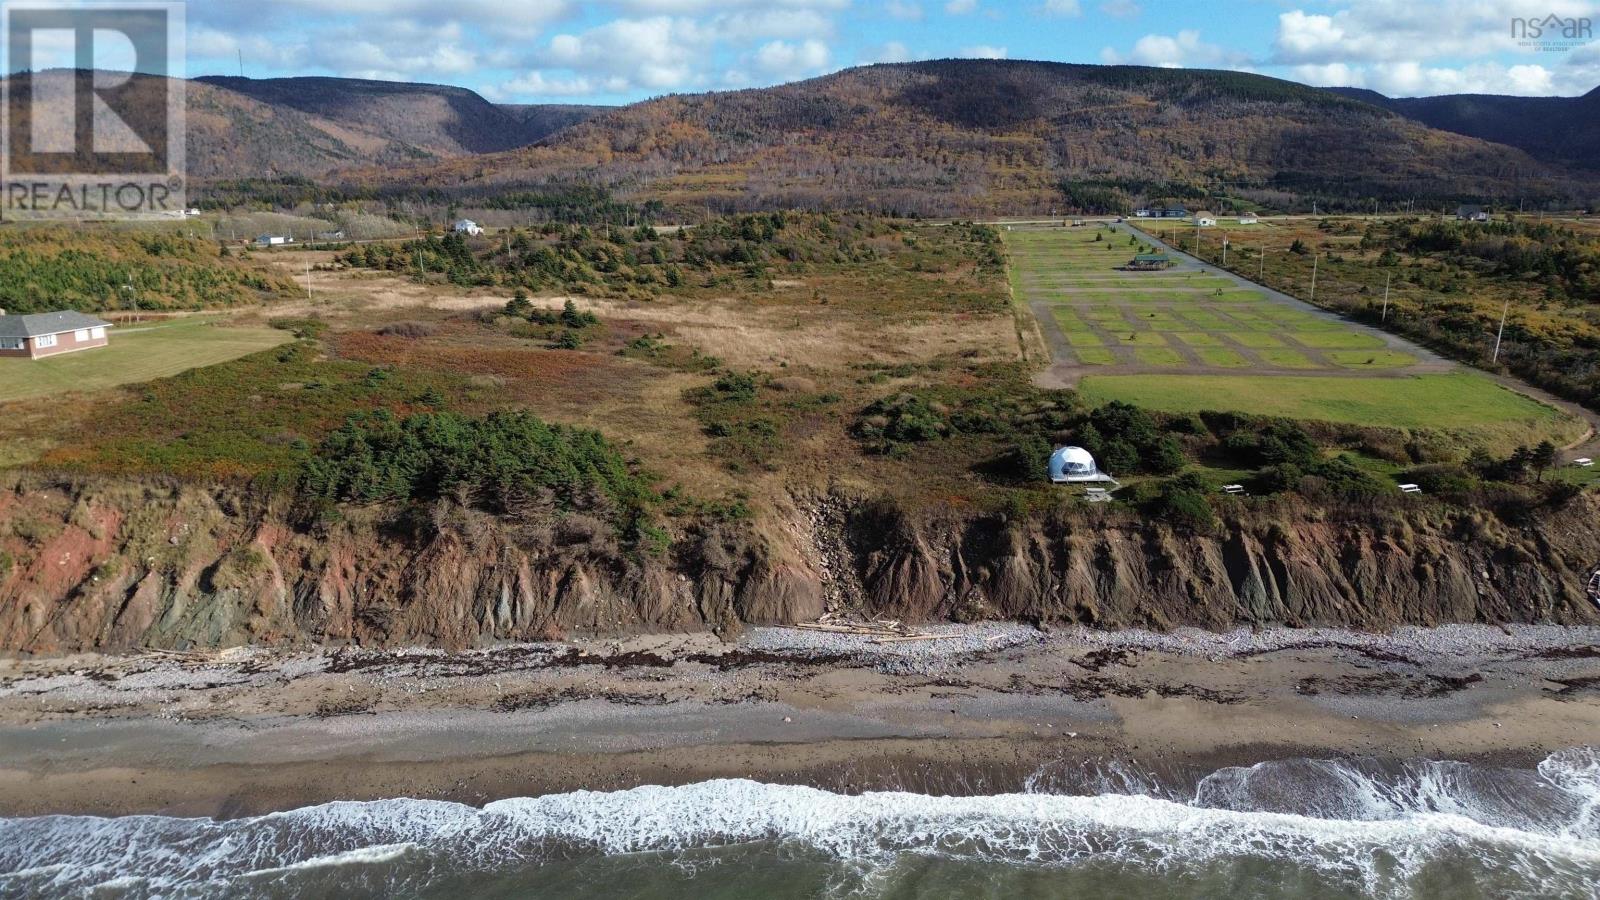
[1466, 403]
[137, 353]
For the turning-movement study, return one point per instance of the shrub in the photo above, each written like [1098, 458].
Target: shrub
[1341, 478]
[406, 330]
[518, 306]
[735, 386]
[504, 463]
[1277, 443]
[572, 317]
[1028, 460]
[1165, 456]
[304, 329]
[1182, 503]
[1443, 479]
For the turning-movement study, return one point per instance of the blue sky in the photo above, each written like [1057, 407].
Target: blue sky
[617, 51]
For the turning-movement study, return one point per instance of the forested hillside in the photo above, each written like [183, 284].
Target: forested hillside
[989, 136]
[1554, 130]
[942, 137]
[428, 119]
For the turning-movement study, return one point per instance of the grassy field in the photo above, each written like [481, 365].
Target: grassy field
[1157, 316]
[1446, 284]
[1466, 403]
[137, 353]
[1181, 341]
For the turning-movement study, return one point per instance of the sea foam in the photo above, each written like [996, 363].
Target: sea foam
[1355, 826]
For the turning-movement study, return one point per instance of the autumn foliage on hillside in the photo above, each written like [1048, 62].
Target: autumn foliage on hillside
[995, 136]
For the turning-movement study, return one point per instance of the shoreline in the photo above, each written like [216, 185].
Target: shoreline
[980, 710]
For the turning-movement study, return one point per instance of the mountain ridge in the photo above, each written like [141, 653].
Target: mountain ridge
[985, 136]
[1555, 130]
[933, 137]
[439, 119]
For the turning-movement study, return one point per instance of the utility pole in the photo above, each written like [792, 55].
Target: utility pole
[1224, 251]
[1499, 335]
[1262, 275]
[1314, 277]
[308, 278]
[1386, 277]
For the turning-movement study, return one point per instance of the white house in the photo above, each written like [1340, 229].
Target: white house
[1248, 219]
[1075, 465]
[467, 226]
[1141, 213]
[1205, 219]
[273, 240]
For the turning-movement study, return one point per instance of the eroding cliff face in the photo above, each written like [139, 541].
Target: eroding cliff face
[120, 565]
[1427, 566]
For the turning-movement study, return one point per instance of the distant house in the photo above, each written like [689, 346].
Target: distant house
[330, 235]
[50, 334]
[1169, 212]
[1147, 262]
[273, 240]
[1248, 219]
[1470, 213]
[191, 212]
[1205, 219]
[467, 226]
[1141, 213]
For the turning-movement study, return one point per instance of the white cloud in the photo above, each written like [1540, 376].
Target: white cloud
[659, 53]
[703, 7]
[1457, 46]
[536, 84]
[1412, 79]
[961, 7]
[519, 18]
[892, 52]
[983, 51]
[1380, 31]
[739, 27]
[1329, 75]
[783, 60]
[1068, 9]
[904, 10]
[1175, 51]
[1120, 9]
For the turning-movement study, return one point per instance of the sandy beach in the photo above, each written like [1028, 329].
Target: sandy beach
[982, 709]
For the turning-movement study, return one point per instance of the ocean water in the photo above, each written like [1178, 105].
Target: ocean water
[1293, 828]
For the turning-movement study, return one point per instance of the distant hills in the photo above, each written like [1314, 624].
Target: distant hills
[1555, 130]
[313, 127]
[419, 119]
[949, 136]
[995, 135]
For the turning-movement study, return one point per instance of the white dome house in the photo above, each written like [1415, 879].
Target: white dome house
[1070, 465]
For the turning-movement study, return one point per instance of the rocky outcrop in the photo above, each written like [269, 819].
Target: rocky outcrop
[119, 565]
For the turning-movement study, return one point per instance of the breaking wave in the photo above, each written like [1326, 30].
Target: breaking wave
[1292, 827]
